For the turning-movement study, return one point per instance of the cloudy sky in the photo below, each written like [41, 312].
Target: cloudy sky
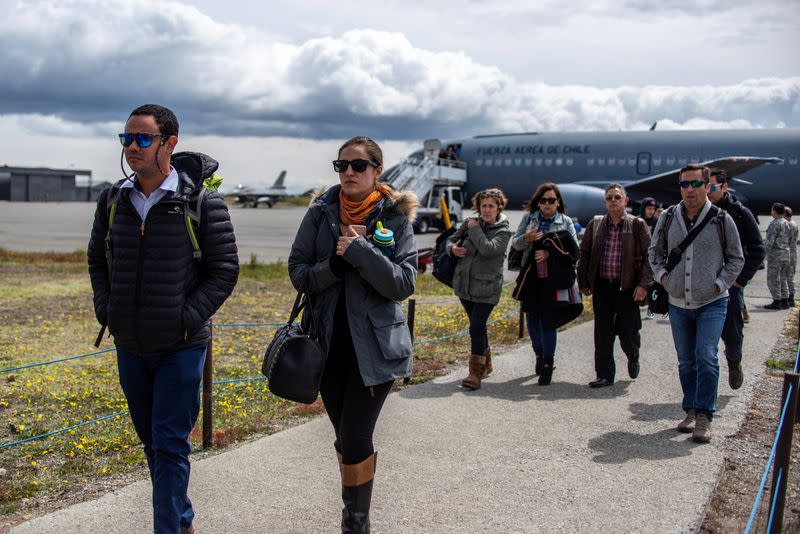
[281, 85]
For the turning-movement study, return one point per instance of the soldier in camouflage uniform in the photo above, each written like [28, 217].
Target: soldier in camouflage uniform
[787, 214]
[779, 233]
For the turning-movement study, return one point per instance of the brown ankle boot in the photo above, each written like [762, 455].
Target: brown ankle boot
[477, 364]
[487, 370]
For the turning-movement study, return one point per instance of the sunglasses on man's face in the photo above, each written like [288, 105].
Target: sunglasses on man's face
[359, 165]
[613, 197]
[693, 183]
[144, 140]
[548, 200]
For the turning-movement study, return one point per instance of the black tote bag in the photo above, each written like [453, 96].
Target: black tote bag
[294, 361]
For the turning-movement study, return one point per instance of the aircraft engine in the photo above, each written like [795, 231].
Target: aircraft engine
[583, 201]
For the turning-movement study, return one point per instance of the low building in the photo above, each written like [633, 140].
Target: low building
[36, 184]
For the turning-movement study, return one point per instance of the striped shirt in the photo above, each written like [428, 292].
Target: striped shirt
[611, 262]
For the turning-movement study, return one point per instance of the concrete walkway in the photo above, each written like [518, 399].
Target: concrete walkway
[511, 457]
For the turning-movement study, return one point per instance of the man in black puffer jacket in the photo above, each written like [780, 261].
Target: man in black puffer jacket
[157, 279]
[754, 252]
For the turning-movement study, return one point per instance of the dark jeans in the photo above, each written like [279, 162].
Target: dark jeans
[352, 407]
[543, 339]
[615, 314]
[732, 334]
[478, 313]
[163, 393]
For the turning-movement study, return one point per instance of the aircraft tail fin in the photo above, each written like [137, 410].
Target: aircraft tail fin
[279, 181]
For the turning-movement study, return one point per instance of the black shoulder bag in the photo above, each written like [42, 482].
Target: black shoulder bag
[294, 361]
[657, 297]
[444, 265]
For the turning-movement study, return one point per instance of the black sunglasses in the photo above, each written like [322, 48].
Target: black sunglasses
[144, 140]
[548, 200]
[359, 165]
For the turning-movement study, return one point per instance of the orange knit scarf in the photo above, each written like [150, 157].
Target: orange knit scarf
[351, 212]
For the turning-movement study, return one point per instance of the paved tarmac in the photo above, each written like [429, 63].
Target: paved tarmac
[513, 457]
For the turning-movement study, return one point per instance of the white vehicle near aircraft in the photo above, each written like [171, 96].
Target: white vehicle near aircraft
[252, 196]
[647, 163]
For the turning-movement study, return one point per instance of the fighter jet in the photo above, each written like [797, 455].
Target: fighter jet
[252, 196]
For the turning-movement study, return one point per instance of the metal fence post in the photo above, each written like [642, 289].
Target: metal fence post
[521, 332]
[780, 471]
[412, 311]
[208, 378]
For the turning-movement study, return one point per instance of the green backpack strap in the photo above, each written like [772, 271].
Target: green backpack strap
[193, 208]
[112, 200]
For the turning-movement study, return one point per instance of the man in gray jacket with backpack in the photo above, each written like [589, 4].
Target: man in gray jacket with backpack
[696, 255]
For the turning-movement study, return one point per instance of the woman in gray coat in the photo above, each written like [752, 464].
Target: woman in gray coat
[480, 245]
[355, 257]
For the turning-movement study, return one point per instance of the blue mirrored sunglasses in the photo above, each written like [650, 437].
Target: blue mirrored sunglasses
[144, 140]
[694, 183]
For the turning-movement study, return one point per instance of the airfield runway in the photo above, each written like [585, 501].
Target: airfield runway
[64, 227]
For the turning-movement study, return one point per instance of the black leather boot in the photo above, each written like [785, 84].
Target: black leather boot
[538, 367]
[547, 371]
[357, 482]
[776, 304]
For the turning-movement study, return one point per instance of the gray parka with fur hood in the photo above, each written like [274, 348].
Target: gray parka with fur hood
[373, 289]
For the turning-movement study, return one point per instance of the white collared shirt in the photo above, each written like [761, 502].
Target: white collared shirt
[141, 203]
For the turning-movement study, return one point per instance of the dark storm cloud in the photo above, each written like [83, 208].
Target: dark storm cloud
[92, 62]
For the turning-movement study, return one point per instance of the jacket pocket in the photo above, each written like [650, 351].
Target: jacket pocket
[485, 285]
[392, 333]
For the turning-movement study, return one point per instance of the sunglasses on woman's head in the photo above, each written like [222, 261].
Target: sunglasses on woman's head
[548, 200]
[144, 140]
[359, 165]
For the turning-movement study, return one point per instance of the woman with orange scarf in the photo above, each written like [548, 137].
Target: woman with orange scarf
[355, 257]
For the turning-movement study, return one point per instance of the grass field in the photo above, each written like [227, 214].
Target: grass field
[46, 314]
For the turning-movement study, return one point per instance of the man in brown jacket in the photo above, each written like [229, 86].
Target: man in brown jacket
[614, 269]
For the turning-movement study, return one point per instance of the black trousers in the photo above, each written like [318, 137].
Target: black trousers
[352, 407]
[732, 331]
[478, 313]
[615, 314]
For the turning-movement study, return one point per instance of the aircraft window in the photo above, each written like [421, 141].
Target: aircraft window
[792, 160]
[601, 161]
[508, 162]
[559, 161]
[528, 162]
[479, 162]
[682, 161]
[548, 162]
[517, 162]
[538, 162]
[498, 162]
[657, 160]
[590, 162]
[632, 162]
[694, 159]
[570, 161]
[611, 161]
[670, 160]
[488, 162]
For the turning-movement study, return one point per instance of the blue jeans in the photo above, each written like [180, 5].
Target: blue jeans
[163, 393]
[543, 340]
[696, 334]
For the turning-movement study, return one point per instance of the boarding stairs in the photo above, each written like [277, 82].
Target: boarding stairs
[420, 176]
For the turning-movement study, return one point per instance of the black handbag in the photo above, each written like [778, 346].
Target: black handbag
[444, 265]
[657, 296]
[515, 259]
[294, 361]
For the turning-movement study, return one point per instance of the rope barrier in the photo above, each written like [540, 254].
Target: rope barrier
[62, 430]
[55, 361]
[236, 380]
[769, 464]
[463, 332]
[249, 324]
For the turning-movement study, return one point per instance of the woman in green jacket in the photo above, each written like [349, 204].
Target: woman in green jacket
[480, 245]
